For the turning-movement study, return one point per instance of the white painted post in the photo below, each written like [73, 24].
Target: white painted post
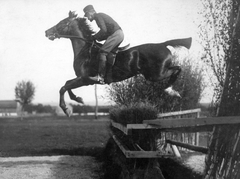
[176, 151]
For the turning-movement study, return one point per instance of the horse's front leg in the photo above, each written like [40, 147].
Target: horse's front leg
[71, 84]
[176, 70]
[74, 97]
[62, 103]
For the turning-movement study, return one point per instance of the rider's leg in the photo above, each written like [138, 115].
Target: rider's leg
[110, 62]
[102, 57]
[112, 42]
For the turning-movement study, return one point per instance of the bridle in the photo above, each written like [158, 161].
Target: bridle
[72, 37]
[57, 35]
[92, 42]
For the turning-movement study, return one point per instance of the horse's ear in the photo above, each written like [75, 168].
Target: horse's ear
[72, 14]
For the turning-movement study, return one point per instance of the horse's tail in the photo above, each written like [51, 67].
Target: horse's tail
[180, 42]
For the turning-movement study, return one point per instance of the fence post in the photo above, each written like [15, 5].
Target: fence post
[197, 133]
[176, 151]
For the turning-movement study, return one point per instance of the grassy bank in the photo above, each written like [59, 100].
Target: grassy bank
[37, 136]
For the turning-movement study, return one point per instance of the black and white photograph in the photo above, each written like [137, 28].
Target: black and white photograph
[100, 89]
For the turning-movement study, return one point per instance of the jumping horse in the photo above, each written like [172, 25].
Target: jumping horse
[153, 61]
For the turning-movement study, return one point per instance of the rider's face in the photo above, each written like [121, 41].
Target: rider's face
[90, 16]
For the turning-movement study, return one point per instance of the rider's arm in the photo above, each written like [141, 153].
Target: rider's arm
[101, 35]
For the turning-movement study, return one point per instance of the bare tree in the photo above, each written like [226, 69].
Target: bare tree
[24, 93]
[223, 160]
[215, 32]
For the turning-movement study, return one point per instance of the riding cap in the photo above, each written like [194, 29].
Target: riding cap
[88, 8]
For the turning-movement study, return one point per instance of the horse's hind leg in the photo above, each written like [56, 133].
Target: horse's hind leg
[175, 71]
[74, 97]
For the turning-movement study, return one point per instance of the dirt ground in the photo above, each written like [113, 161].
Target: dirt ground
[49, 167]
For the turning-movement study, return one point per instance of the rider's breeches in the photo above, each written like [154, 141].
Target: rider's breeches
[113, 41]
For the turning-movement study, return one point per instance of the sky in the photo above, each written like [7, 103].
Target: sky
[26, 54]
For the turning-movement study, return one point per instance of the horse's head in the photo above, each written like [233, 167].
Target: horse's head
[62, 28]
[70, 26]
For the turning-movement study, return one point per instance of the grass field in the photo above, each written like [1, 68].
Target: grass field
[39, 136]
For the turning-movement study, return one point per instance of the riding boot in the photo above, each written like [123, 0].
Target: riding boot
[102, 59]
[102, 67]
[110, 62]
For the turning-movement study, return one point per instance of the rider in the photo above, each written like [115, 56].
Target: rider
[109, 31]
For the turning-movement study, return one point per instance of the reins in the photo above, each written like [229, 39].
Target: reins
[93, 43]
[75, 37]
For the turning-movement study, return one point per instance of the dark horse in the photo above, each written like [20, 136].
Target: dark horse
[153, 61]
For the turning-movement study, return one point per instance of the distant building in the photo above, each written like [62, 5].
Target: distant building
[9, 108]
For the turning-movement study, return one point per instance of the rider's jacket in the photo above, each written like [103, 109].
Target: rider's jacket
[107, 26]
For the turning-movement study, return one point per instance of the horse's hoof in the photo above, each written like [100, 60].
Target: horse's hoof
[172, 92]
[178, 95]
[68, 112]
[79, 100]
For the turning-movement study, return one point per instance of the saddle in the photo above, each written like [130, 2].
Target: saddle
[112, 55]
[123, 48]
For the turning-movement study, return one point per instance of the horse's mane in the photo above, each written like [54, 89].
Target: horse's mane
[85, 28]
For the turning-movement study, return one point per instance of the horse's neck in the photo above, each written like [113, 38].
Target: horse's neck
[77, 46]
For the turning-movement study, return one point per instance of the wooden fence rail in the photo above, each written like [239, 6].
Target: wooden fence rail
[163, 137]
[179, 113]
[139, 154]
[188, 146]
[186, 125]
